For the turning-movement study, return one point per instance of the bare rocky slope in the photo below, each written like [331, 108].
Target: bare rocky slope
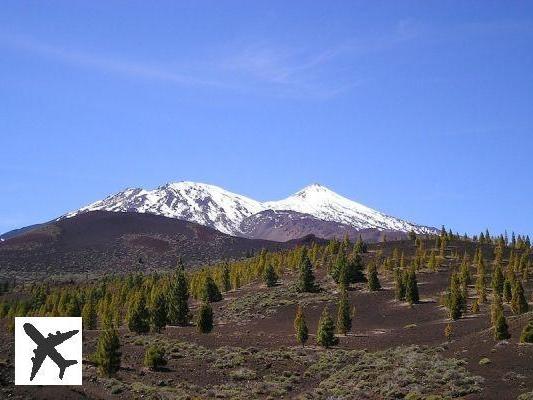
[102, 242]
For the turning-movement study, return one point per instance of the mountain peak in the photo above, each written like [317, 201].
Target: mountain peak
[312, 189]
[225, 211]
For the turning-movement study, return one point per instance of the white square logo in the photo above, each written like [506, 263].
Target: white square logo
[48, 351]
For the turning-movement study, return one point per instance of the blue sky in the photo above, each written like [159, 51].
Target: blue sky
[420, 109]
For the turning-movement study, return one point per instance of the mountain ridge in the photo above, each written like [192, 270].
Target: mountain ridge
[225, 211]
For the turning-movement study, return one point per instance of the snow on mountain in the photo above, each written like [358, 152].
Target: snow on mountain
[225, 211]
[196, 202]
[324, 204]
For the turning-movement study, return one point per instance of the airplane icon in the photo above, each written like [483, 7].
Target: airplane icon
[47, 347]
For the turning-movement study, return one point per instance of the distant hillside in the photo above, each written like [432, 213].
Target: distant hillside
[285, 225]
[106, 242]
[20, 231]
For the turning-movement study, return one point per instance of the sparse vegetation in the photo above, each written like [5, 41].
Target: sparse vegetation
[275, 371]
[154, 357]
[108, 354]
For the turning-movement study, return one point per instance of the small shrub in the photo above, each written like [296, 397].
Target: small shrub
[242, 374]
[484, 361]
[154, 357]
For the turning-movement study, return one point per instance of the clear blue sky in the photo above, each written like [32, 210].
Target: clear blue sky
[420, 109]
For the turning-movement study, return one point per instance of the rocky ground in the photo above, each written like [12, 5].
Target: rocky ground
[393, 351]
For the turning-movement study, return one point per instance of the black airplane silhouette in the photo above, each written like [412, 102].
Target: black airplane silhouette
[47, 347]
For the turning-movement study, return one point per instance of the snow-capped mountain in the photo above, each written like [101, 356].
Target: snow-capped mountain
[231, 213]
[327, 205]
[204, 204]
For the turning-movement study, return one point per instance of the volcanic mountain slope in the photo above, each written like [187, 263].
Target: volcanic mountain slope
[285, 225]
[108, 242]
[236, 215]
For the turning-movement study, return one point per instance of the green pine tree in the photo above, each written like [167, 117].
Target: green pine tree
[496, 308]
[456, 301]
[270, 277]
[507, 291]
[178, 300]
[108, 354]
[306, 279]
[411, 288]
[373, 279]
[138, 318]
[480, 281]
[210, 291]
[399, 285]
[465, 271]
[158, 312]
[226, 279]
[73, 307]
[501, 329]
[325, 335]
[339, 271]
[204, 321]
[518, 300]
[300, 327]
[344, 317]
[89, 314]
[498, 279]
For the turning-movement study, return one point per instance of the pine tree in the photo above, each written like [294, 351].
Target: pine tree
[204, 321]
[158, 312]
[339, 271]
[306, 280]
[527, 334]
[501, 329]
[496, 308]
[360, 247]
[498, 279]
[300, 327]
[465, 274]
[355, 268]
[270, 277]
[210, 291]
[518, 301]
[456, 301]
[73, 307]
[507, 291]
[138, 316]
[411, 288]
[108, 354]
[480, 281]
[325, 335]
[178, 300]
[89, 314]
[373, 279]
[344, 317]
[226, 279]
[399, 285]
